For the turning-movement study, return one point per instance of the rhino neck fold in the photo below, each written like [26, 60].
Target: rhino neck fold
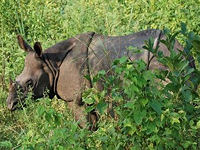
[54, 71]
[54, 57]
[54, 68]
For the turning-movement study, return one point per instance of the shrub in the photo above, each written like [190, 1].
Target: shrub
[150, 115]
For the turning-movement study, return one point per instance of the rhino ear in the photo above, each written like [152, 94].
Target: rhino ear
[23, 45]
[38, 48]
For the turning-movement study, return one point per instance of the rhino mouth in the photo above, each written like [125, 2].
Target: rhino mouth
[16, 97]
[12, 106]
[16, 105]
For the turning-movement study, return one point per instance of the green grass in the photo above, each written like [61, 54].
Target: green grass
[48, 124]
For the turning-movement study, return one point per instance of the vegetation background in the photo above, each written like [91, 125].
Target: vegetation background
[47, 124]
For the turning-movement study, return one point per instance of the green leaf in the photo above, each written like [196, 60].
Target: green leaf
[57, 120]
[130, 105]
[6, 144]
[175, 120]
[162, 117]
[101, 107]
[187, 95]
[89, 100]
[189, 71]
[183, 28]
[151, 127]
[87, 77]
[138, 116]
[90, 108]
[156, 106]
[187, 144]
[198, 124]
[102, 72]
[144, 101]
[170, 65]
[41, 110]
[122, 60]
[30, 133]
[160, 54]
[127, 123]
[132, 130]
[182, 65]
[148, 75]
[48, 117]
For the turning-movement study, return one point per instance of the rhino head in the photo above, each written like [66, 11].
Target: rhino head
[35, 77]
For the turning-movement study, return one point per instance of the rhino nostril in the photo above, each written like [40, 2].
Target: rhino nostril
[11, 105]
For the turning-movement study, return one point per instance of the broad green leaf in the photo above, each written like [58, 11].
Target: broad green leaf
[138, 116]
[187, 95]
[144, 101]
[156, 106]
[101, 107]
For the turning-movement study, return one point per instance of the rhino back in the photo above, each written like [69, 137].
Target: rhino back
[104, 49]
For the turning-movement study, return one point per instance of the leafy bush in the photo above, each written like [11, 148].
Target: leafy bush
[150, 115]
[146, 114]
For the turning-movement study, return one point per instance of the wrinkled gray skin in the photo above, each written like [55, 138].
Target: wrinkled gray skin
[62, 67]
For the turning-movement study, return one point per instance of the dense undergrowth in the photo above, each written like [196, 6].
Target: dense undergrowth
[149, 115]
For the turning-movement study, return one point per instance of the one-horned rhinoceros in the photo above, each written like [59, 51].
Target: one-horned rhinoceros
[62, 68]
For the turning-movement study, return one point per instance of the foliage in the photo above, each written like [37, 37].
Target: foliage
[143, 113]
[151, 115]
